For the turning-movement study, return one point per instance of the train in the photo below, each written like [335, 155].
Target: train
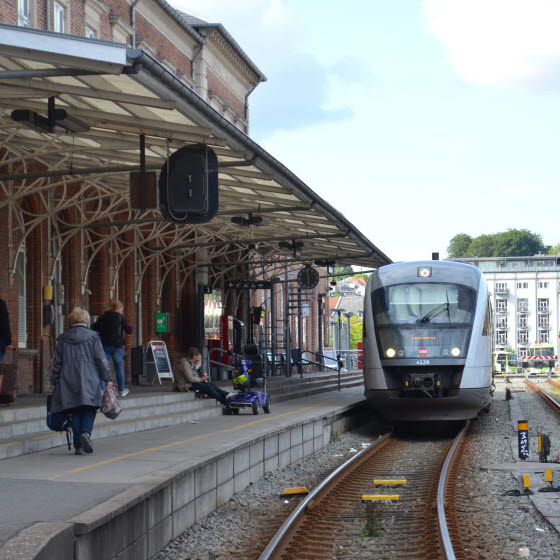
[427, 342]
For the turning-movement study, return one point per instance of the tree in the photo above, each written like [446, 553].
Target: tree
[342, 270]
[554, 250]
[459, 245]
[356, 326]
[510, 243]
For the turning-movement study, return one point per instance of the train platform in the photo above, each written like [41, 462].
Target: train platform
[138, 490]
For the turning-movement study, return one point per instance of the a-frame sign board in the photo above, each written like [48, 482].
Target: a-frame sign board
[158, 351]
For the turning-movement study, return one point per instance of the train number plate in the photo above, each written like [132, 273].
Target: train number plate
[422, 362]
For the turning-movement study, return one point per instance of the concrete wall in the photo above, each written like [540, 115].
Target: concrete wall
[139, 522]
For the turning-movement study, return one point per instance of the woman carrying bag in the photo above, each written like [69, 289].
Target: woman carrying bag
[79, 366]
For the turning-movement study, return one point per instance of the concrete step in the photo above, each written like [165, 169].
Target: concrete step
[45, 439]
[23, 429]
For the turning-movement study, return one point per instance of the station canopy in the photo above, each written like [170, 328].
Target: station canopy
[81, 178]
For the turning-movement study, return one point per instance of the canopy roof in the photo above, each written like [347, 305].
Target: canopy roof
[122, 94]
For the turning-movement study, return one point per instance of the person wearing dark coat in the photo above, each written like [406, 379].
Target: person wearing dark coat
[110, 327]
[5, 333]
[79, 367]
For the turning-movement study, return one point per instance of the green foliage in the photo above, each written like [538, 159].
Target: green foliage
[459, 245]
[356, 325]
[510, 243]
[342, 270]
[364, 275]
[372, 527]
[554, 250]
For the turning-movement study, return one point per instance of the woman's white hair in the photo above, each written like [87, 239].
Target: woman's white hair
[78, 315]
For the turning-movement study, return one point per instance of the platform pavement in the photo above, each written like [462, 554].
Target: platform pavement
[55, 485]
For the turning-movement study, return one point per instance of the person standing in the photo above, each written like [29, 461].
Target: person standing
[79, 367]
[5, 332]
[187, 373]
[110, 327]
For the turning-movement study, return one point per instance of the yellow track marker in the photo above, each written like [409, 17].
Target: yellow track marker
[548, 475]
[379, 497]
[526, 481]
[389, 482]
[294, 491]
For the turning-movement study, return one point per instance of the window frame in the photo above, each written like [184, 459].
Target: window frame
[60, 8]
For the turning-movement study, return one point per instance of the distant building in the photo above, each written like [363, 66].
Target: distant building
[351, 286]
[524, 292]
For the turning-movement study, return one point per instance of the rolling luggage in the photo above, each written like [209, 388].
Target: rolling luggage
[8, 381]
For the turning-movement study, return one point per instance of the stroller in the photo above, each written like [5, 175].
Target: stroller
[249, 383]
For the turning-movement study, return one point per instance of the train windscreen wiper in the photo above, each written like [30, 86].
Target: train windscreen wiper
[435, 311]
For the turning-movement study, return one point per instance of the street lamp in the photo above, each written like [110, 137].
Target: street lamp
[349, 314]
[338, 338]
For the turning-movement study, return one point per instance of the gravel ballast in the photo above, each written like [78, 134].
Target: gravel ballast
[514, 526]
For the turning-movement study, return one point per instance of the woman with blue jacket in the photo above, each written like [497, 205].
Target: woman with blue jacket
[79, 366]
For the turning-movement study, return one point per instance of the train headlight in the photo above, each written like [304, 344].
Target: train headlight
[390, 352]
[456, 351]
[445, 352]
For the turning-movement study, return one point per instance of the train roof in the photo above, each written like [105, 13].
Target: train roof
[436, 271]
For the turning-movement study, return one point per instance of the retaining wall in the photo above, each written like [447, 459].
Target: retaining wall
[137, 523]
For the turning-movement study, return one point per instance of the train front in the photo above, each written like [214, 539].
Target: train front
[427, 342]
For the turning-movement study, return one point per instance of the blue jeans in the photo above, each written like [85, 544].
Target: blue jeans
[2, 351]
[83, 418]
[208, 388]
[116, 354]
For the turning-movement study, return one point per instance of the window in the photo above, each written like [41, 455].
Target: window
[522, 305]
[502, 323]
[522, 338]
[542, 304]
[543, 321]
[59, 18]
[22, 301]
[24, 13]
[501, 337]
[521, 351]
[501, 287]
[501, 305]
[542, 284]
[543, 336]
[522, 285]
[522, 321]
[90, 33]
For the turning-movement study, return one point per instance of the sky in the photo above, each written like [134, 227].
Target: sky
[416, 119]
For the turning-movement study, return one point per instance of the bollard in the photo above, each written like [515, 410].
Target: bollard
[551, 476]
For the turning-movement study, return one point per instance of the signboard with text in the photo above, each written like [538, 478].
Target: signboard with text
[158, 351]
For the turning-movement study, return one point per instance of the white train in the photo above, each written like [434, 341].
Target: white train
[427, 342]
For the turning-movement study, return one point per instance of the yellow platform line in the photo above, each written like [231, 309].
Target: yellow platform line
[182, 442]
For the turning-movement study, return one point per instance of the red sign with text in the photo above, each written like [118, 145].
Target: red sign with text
[423, 351]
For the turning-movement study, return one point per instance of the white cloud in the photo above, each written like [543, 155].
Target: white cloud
[499, 42]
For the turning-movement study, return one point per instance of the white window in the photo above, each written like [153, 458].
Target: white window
[522, 321]
[501, 287]
[521, 351]
[542, 304]
[501, 337]
[522, 285]
[24, 13]
[522, 305]
[90, 33]
[542, 284]
[22, 301]
[522, 338]
[543, 336]
[543, 321]
[59, 18]
[501, 305]
[502, 323]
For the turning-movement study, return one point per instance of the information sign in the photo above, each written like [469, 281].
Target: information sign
[162, 322]
[250, 285]
[523, 439]
[158, 350]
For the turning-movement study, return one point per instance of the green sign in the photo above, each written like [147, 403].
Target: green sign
[162, 322]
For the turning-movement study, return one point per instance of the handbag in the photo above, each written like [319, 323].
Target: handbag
[110, 406]
[8, 381]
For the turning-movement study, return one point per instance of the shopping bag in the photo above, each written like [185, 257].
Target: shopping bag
[110, 405]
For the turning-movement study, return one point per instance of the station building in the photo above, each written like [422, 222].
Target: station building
[525, 298]
[135, 82]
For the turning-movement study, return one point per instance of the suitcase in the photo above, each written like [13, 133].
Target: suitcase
[8, 381]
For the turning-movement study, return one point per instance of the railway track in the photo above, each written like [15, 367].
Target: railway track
[334, 521]
[553, 403]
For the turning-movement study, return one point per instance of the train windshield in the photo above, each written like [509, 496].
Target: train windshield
[424, 320]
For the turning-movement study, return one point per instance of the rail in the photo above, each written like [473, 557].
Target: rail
[276, 544]
[553, 403]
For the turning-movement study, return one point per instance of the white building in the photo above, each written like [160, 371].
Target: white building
[525, 298]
